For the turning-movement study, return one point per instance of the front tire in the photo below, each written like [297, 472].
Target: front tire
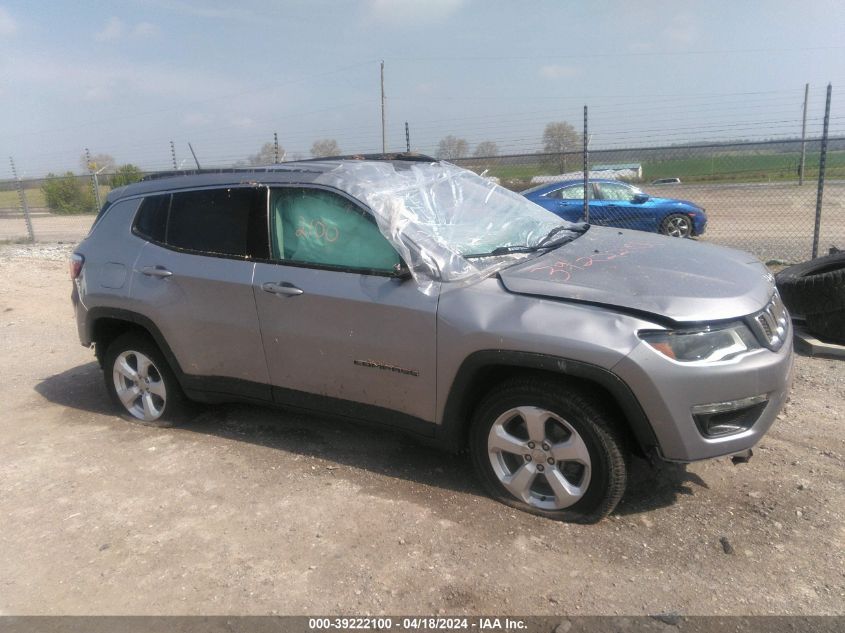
[550, 449]
[141, 383]
[677, 225]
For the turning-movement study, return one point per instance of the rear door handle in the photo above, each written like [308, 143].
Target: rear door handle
[156, 271]
[282, 288]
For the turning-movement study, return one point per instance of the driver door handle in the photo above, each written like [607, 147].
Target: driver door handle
[156, 271]
[283, 288]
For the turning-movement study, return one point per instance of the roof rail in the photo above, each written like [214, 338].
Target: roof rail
[409, 156]
[291, 165]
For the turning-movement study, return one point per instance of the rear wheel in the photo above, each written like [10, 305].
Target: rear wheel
[677, 225]
[549, 449]
[141, 383]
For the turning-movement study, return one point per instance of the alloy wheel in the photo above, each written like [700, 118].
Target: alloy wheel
[539, 457]
[678, 226]
[139, 385]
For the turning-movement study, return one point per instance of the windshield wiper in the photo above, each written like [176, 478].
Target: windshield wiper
[549, 241]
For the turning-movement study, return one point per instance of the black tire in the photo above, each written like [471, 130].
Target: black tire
[828, 326]
[815, 286]
[171, 409]
[676, 225]
[581, 410]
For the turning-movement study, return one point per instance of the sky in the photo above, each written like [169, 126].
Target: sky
[126, 77]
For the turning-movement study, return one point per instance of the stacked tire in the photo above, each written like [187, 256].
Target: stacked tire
[815, 290]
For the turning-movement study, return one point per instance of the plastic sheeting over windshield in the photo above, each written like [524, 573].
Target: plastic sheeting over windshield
[440, 218]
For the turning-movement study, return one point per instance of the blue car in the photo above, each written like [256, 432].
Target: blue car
[614, 203]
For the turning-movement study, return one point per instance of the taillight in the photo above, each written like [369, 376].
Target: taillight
[75, 265]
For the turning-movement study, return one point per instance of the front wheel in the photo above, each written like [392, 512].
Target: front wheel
[677, 225]
[550, 449]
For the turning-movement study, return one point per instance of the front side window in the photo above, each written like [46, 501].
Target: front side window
[230, 221]
[617, 191]
[321, 228]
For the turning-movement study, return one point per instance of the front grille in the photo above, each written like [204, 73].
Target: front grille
[771, 324]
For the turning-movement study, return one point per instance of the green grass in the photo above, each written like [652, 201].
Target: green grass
[743, 168]
[716, 168]
[35, 198]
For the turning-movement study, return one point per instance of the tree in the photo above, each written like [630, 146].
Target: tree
[265, 156]
[69, 194]
[486, 148]
[98, 161]
[452, 147]
[560, 137]
[126, 175]
[325, 147]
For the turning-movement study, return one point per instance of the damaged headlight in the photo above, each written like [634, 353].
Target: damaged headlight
[708, 344]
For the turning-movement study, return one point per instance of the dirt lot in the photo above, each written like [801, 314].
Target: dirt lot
[772, 221]
[252, 510]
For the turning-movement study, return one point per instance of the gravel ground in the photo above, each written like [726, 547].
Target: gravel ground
[249, 510]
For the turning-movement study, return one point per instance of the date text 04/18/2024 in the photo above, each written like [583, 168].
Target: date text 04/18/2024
[416, 623]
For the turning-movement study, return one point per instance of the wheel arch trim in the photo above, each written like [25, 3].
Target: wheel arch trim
[138, 320]
[451, 432]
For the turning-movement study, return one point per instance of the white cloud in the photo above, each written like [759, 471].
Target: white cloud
[681, 30]
[98, 93]
[414, 11]
[555, 71]
[8, 25]
[207, 9]
[425, 88]
[197, 119]
[145, 29]
[65, 76]
[243, 122]
[111, 31]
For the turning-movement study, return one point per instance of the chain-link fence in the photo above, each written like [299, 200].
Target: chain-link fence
[54, 209]
[756, 196]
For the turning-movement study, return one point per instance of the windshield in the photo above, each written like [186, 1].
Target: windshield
[440, 218]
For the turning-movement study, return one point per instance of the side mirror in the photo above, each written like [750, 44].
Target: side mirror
[639, 198]
[401, 271]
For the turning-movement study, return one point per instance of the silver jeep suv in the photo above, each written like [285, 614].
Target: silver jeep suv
[407, 292]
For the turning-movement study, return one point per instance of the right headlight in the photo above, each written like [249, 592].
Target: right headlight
[708, 344]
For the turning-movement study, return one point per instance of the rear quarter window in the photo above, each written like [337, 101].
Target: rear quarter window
[151, 221]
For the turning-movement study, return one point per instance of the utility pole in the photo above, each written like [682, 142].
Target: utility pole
[173, 156]
[822, 165]
[95, 186]
[586, 171]
[803, 136]
[407, 138]
[22, 199]
[275, 148]
[383, 133]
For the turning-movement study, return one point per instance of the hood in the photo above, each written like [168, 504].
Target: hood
[682, 280]
[670, 201]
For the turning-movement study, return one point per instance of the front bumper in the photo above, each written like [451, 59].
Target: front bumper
[668, 391]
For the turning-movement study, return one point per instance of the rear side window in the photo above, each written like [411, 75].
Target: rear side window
[214, 221]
